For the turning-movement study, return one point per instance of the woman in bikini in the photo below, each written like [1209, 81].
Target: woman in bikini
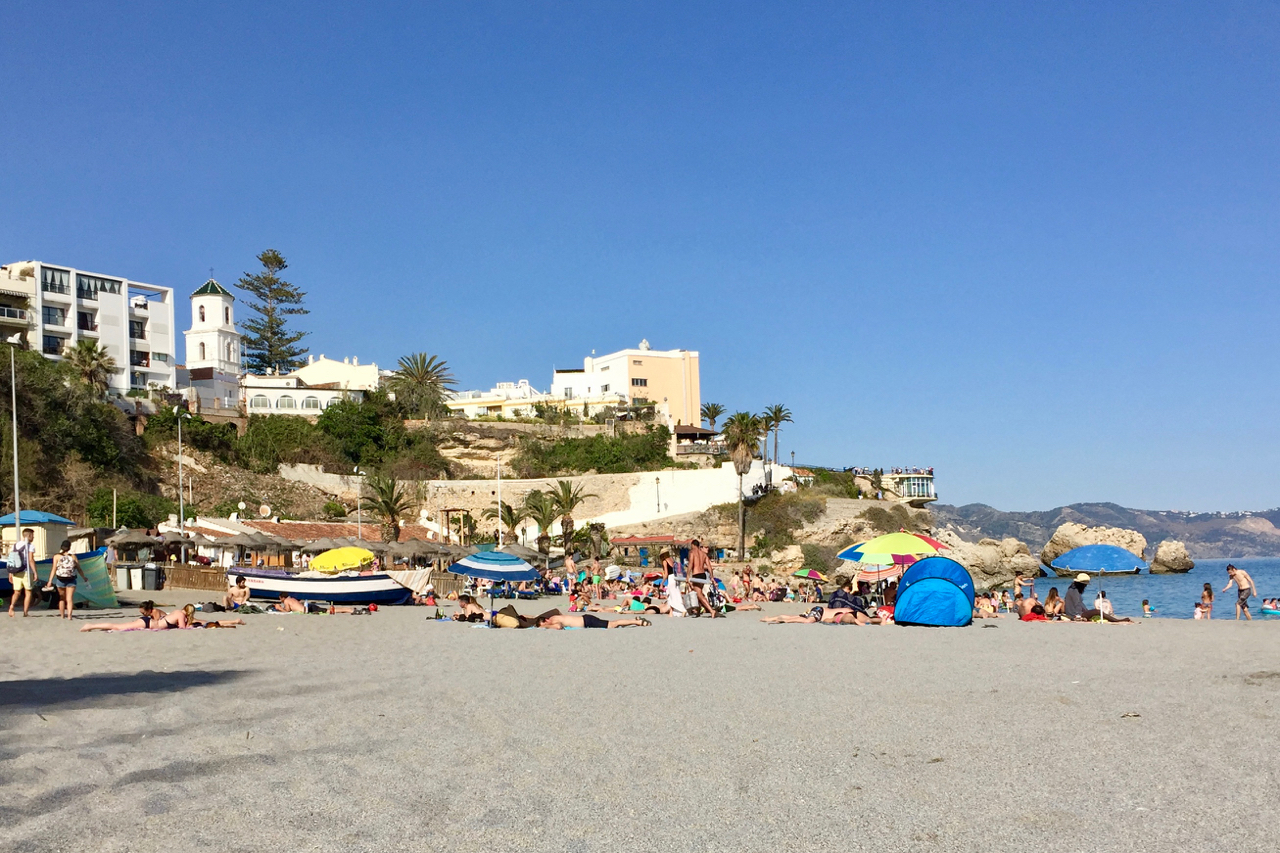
[1206, 601]
[190, 612]
[145, 622]
[1053, 603]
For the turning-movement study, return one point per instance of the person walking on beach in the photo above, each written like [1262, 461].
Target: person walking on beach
[1247, 588]
[700, 575]
[65, 568]
[22, 571]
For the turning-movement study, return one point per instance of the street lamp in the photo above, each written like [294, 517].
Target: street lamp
[657, 490]
[793, 459]
[13, 389]
[359, 501]
[181, 413]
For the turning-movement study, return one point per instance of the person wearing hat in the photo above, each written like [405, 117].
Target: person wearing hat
[1073, 603]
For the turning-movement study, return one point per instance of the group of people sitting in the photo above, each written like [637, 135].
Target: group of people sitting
[1028, 607]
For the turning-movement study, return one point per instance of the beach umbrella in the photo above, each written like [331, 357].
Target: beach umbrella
[126, 538]
[496, 566]
[172, 538]
[1098, 559]
[809, 574]
[370, 545]
[888, 556]
[341, 559]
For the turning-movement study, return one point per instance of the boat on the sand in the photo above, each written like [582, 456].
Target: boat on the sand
[347, 588]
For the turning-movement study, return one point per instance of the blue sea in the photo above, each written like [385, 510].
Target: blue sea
[1175, 596]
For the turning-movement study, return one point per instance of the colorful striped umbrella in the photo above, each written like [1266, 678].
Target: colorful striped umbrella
[809, 574]
[886, 557]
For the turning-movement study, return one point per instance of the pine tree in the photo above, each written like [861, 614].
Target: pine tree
[268, 343]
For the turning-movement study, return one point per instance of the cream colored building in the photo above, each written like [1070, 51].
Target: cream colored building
[309, 389]
[667, 378]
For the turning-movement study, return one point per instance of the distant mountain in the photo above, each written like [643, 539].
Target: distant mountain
[1207, 534]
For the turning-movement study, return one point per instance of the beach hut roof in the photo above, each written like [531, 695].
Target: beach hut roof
[35, 516]
[131, 539]
[240, 540]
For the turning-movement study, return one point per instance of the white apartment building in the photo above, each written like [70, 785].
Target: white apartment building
[310, 389]
[509, 399]
[56, 306]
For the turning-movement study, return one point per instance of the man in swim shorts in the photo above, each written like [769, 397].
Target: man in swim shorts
[237, 594]
[22, 570]
[1248, 589]
[701, 575]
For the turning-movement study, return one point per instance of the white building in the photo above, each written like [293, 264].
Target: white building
[509, 399]
[60, 305]
[309, 389]
[214, 350]
[668, 379]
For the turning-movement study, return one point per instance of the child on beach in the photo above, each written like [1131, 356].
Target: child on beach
[1147, 609]
[1199, 613]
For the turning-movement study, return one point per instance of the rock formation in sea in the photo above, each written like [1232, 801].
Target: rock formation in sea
[1072, 535]
[991, 562]
[1171, 558]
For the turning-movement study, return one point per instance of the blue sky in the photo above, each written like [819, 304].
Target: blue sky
[1034, 247]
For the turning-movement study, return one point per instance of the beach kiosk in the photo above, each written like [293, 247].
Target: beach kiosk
[49, 530]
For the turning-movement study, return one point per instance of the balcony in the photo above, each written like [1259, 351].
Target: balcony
[55, 287]
[140, 305]
[86, 325]
[137, 334]
[87, 293]
[139, 359]
[710, 448]
[12, 315]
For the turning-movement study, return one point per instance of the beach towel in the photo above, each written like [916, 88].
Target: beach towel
[95, 588]
[415, 580]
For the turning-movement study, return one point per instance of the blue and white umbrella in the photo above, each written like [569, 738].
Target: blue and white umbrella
[495, 566]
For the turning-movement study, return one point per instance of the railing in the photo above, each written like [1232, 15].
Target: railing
[86, 326]
[138, 334]
[139, 359]
[7, 313]
[86, 293]
[55, 287]
[138, 306]
[711, 448]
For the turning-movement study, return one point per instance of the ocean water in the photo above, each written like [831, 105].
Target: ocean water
[1175, 596]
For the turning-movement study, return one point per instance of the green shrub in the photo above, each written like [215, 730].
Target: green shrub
[333, 509]
[366, 433]
[620, 454]
[269, 440]
[133, 509]
[778, 516]
[219, 439]
[895, 517]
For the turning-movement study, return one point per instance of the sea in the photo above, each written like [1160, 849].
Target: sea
[1175, 596]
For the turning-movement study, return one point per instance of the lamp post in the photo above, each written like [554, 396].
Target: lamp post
[793, 459]
[500, 520]
[657, 491]
[13, 389]
[359, 500]
[180, 413]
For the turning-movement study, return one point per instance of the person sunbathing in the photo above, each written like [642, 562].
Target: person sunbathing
[287, 604]
[560, 621]
[143, 623]
[1034, 614]
[192, 622]
[468, 610]
[176, 619]
[816, 614]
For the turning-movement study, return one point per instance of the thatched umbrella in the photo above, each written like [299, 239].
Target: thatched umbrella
[125, 538]
[319, 546]
[377, 547]
[173, 538]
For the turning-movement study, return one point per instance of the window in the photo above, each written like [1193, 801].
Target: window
[89, 286]
[637, 361]
[603, 369]
[53, 316]
[568, 393]
[604, 389]
[55, 281]
[160, 356]
[52, 345]
[286, 402]
[201, 313]
[85, 321]
[259, 401]
[138, 330]
[310, 402]
[231, 352]
[226, 315]
[637, 382]
[202, 352]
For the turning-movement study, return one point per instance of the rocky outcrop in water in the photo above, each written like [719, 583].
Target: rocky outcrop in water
[1171, 558]
[1072, 535]
[991, 562]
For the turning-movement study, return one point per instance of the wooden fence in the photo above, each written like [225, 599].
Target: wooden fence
[191, 576]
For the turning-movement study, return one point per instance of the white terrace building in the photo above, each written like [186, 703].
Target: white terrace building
[310, 389]
[56, 306]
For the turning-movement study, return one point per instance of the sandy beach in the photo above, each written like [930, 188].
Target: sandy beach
[393, 732]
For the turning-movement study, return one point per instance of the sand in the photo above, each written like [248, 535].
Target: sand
[392, 732]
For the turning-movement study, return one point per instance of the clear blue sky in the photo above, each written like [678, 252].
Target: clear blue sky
[1035, 247]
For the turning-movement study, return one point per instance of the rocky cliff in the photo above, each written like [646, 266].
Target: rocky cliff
[1171, 558]
[1072, 535]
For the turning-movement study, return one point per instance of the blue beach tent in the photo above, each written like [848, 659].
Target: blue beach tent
[935, 591]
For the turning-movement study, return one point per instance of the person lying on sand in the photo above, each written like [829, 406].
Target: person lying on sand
[150, 614]
[287, 604]
[468, 610]
[561, 621]
[192, 622]
[827, 615]
[1035, 614]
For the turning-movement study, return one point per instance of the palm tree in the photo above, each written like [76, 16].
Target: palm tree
[567, 497]
[766, 424]
[778, 415]
[420, 384]
[541, 510]
[711, 412]
[742, 434]
[509, 516]
[388, 503]
[92, 364]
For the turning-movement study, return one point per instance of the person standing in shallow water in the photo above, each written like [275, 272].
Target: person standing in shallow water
[1247, 589]
[1206, 601]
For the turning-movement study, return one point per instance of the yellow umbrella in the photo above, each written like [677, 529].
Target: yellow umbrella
[341, 559]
